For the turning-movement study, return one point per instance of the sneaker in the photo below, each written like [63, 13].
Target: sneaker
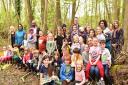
[101, 82]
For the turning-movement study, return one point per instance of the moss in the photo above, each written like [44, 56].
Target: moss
[115, 68]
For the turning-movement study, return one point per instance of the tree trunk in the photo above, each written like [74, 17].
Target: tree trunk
[45, 27]
[18, 9]
[126, 25]
[107, 10]
[29, 11]
[42, 12]
[116, 9]
[58, 13]
[73, 10]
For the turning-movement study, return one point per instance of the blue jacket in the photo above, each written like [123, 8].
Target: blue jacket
[63, 75]
[19, 37]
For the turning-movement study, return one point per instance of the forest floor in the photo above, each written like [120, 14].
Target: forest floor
[11, 76]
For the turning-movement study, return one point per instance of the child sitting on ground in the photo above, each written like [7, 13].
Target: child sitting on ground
[79, 74]
[9, 54]
[106, 60]
[46, 72]
[3, 58]
[35, 60]
[27, 59]
[57, 62]
[17, 59]
[66, 71]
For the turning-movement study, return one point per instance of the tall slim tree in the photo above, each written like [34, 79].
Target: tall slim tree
[58, 13]
[73, 10]
[42, 12]
[116, 8]
[29, 11]
[18, 9]
[126, 25]
[45, 27]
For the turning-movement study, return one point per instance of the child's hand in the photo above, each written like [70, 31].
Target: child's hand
[94, 63]
[109, 64]
[67, 80]
[77, 84]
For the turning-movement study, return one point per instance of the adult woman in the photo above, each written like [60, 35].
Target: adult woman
[19, 36]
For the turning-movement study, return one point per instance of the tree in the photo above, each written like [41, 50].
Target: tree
[126, 25]
[73, 10]
[58, 13]
[45, 27]
[29, 11]
[42, 12]
[18, 10]
[116, 9]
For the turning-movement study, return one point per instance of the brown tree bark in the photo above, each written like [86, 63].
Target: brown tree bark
[29, 11]
[42, 12]
[107, 11]
[45, 27]
[126, 25]
[116, 9]
[58, 13]
[73, 10]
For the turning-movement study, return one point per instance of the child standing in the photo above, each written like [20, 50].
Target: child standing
[85, 54]
[42, 42]
[50, 44]
[94, 59]
[106, 61]
[66, 72]
[75, 43]
[31, 39]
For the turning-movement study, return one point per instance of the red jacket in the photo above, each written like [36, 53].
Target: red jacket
[42, 43]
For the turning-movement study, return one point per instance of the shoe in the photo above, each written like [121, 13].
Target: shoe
[101, 82]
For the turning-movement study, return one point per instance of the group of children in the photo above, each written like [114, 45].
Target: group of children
[72, 59]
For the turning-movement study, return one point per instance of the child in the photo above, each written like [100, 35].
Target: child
[3, 58]
[85, 54]
[75, 43]
[59, 40]
[76, 57]
[12, 32]
[27, 59]
[89, 42]
[57, 62]
[66, 72]
[31, 39]
[35, 60]
[45, 72]
[100, 36]
[50, 44]
[9, 53]
[94, 59]
[65, 49]
[79, 74]
[17, 59]
[82, 45]
[42, 42]
[106, 61]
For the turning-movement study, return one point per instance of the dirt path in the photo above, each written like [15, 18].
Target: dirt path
[12, 76]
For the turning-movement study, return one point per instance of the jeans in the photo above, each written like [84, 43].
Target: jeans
[107, 75]
[94, 71]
